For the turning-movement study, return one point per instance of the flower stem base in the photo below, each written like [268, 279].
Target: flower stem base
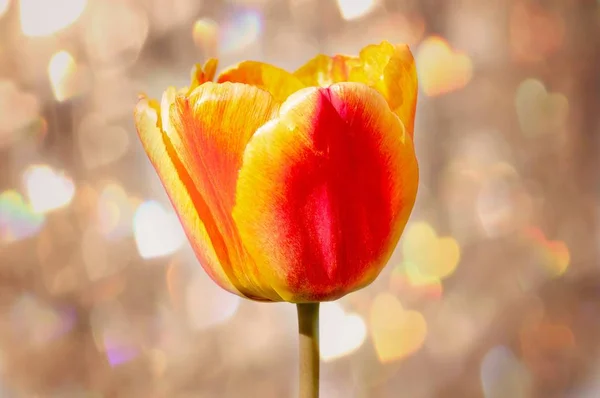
[308, 328]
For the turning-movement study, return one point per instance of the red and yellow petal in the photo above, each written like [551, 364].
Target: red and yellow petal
[210, 130]
[325, 191]
[279, 82]
[211, 251]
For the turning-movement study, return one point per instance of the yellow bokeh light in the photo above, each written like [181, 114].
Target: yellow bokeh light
[61, 72]
[206, 36]
[538, 110]
[429, 256]
[413, 285]
[396, 332]
[441, 69]
[559, 257]
[555, 254]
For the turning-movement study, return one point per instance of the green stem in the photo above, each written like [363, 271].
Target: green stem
[308, 327]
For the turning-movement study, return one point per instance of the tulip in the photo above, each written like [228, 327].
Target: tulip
[290, 186]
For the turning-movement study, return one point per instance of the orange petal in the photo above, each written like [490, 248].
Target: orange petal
[209, 130]
[279, 82]
[205, 239]
[387, 68]
[325, 191]
[203, 73]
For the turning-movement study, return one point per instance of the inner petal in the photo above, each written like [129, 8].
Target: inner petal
[279, 82]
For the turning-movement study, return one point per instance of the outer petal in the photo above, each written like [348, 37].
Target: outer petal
[279, 82]
[387, 68]
[181, 191]
[325, 191]
[208, 131]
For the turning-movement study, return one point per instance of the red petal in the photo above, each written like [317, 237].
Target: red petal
[325, 191]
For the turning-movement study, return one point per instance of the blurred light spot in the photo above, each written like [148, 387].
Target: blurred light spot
[17, 219]
[207, 303]
[4, 4]
[545, 347]
[43, 17]
[558, 257]
[206, 36]
[397, 333]
[115, 212]
[413, 285]
[101, 143]
[441, 69]
[37, 322]
[340, 333]
[62, 72]
[47, 189]
[428, 256]
[242, 30]
[113, 334]
[18, 111]
[157, 233]
[158, 362]
[539, 111]
[117, 351]
[502, 203]
[503, 375]
[535, 31]
[115, 33]
[554, 254]
[354, 9]
[417, 278]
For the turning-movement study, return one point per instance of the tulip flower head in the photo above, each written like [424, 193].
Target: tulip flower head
[290, 186]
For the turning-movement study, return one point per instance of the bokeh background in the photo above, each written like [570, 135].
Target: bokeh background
[494, 290]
